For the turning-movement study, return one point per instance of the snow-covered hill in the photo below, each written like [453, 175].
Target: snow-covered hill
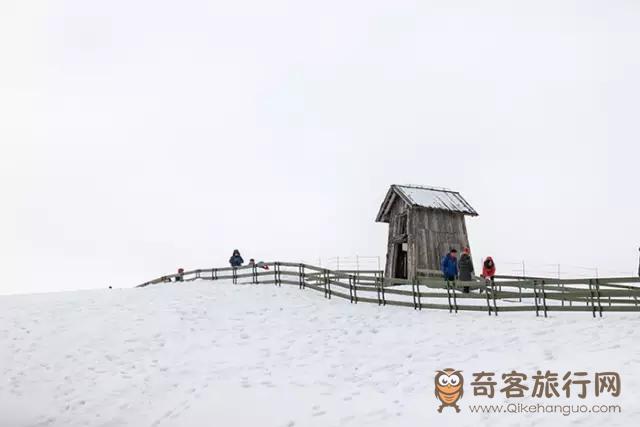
[216, 354]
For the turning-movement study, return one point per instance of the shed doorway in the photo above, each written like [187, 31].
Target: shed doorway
[400, 262]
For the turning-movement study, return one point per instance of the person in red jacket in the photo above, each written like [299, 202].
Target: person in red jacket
[488, 268]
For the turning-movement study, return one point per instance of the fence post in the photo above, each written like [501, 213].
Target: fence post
[254, 273]
[598, 294]
[351, 288]
[519, 293]
[562, 286]
[413, 293]
[304, 277]
[235, 276]
[593, 304]
[419, 296]
[486, 291]
[493, 292]
[276, 273]
[327, 284]
[455, 298]
[214, 274]
[544, 299]
[355, 292]
[378, 290]
[535, 297]
[324, 282]
[570, 300]
[448, 286]
[300, 276]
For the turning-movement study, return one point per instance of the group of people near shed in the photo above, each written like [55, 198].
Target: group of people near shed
[452, 268]
[462, 269]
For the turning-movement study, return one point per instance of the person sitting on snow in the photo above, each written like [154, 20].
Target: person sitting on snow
[260, 264]
[236, 260]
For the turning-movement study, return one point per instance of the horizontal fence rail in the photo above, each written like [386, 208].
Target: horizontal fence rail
[498, 294]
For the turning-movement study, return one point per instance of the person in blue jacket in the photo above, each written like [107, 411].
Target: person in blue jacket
[449, 265]
[236, 260]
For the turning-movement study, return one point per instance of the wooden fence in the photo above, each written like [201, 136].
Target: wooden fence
[500, 294]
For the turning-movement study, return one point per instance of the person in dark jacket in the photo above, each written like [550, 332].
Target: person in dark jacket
[466, 268]
[449, 265]
[236, 260]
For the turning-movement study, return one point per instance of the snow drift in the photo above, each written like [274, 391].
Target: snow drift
[217, 354]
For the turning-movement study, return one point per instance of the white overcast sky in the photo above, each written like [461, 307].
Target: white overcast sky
[139, 136]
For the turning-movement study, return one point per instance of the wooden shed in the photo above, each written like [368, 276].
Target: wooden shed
[424, 223]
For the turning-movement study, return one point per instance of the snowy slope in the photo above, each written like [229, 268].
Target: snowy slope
[215, 354]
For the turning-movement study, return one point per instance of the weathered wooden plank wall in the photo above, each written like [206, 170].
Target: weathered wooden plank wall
[430, 235]
[434, 232]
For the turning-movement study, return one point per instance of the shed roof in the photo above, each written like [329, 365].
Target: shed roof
[426, 197]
